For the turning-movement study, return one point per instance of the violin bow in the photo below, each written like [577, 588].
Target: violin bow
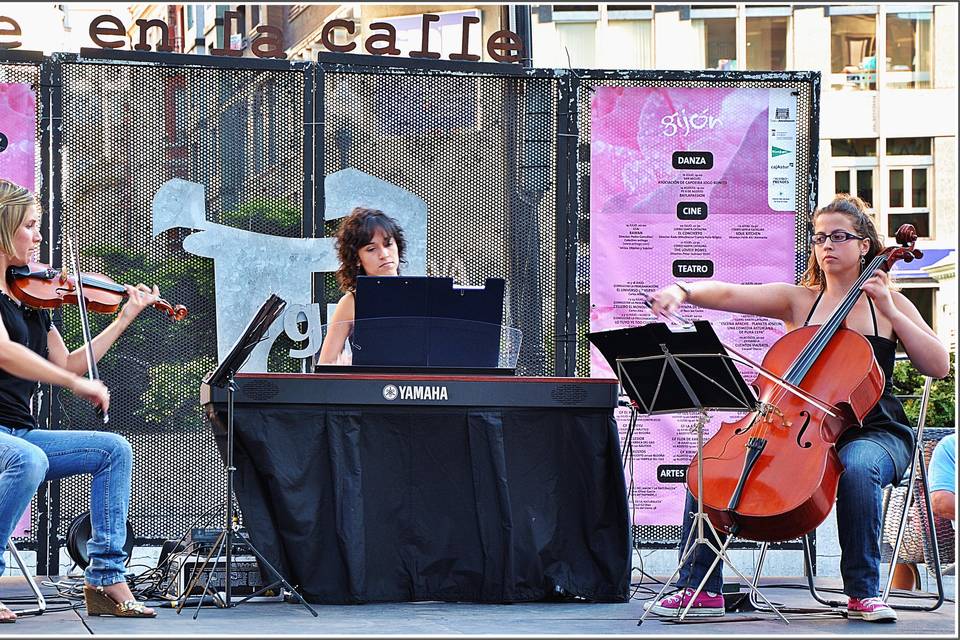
[684, 323]
[92, 370]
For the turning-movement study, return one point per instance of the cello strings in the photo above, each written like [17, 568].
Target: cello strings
[829, 328]
[805, 360]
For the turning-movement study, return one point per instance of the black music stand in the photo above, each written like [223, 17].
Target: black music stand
[223, 376]
[669, 371]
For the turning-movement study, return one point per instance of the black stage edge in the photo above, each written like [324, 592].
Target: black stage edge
[377, 504]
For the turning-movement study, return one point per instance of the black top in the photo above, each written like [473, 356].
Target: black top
[28, 327]
[887, 423]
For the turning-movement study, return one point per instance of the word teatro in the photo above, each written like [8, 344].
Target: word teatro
[502, 45]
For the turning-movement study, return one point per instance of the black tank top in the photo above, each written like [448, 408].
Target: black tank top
[28, 327]
[887, 423]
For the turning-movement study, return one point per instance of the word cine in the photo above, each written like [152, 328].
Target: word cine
[503, 45]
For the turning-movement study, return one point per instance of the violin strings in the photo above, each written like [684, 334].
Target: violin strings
[100, 284]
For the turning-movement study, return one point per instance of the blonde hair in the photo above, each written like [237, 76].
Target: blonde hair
[15, 202]
[856, 210]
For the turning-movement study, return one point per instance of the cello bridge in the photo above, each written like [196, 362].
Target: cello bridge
[769, 412]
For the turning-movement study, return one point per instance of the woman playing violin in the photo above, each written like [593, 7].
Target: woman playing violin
[369, 243]
[874, 455]
[32, 352]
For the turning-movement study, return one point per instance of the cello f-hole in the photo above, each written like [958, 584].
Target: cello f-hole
[806, 423]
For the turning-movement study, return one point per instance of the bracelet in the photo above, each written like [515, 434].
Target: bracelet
[685, 288]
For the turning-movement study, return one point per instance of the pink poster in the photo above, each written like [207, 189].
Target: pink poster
[686, 183]
[18, 125]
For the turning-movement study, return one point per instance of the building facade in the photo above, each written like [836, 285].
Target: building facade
[888, 132]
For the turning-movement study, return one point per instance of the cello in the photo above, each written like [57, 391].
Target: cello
[773, 474]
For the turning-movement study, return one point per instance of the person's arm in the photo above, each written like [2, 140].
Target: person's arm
[943, 477]
[338, 330]
[140, 298]
[20, 361]
[944, 504]
[773, 300]
[926, 352]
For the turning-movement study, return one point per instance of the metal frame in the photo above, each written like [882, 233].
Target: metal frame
[569, 185]
[41, 602]
[918, 461]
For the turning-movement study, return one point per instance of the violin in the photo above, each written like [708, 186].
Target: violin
[773, 475]
[40, 286]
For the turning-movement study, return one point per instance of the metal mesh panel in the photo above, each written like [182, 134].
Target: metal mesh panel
[28, 73]
[668, 535]
[479, 150]
[128, 128]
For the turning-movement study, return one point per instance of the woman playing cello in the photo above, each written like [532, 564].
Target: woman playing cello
[31, 352]
[874, 455]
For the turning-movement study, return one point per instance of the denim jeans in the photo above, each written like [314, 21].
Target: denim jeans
[867, 469]
[31, 456]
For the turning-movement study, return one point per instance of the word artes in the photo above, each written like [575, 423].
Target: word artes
[503, 45]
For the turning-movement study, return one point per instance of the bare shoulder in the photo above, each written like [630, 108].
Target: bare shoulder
[346, 308]
[801, 301]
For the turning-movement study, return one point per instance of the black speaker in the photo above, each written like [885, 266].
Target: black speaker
[79, 533]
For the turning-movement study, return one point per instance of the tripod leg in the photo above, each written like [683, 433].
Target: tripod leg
[273, 571]
[195, 578]
[688, 550]
[722, 553]
[214, 552]
[706, 576]
[206, 586]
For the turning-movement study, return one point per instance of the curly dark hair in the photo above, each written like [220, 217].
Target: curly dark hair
[355, 232]
[855, 209]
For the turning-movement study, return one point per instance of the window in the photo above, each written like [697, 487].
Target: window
[626, 44]
[923, 299]
[855, 167]
[909, 161]
[719, 39]
[189, 17]
[767, 43]
[853, 52]
[909, 49]
[578, 44]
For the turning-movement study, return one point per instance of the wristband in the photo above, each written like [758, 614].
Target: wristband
[685, 288]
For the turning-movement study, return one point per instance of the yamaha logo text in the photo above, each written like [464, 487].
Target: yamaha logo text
[415, 392]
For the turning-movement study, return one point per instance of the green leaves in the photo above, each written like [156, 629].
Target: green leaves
[941, 409]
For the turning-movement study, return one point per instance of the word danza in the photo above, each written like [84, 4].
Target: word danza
[503, 45]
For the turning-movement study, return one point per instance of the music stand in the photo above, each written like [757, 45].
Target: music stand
[223, 376]
[695, 373]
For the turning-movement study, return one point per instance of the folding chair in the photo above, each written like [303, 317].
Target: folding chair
[913, 473]
[929, 529]
[41, 602]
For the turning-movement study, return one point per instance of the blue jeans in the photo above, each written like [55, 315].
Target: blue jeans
[867, 469]
[31, 456]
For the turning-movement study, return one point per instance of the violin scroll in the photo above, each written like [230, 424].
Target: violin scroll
[175, 311]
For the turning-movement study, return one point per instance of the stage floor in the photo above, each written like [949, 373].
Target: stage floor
[450, 619]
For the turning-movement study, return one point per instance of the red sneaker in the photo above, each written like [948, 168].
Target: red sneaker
[870, 609]
[705, 604]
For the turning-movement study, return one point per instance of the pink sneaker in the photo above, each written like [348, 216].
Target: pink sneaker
[870, 609]
[706, 604]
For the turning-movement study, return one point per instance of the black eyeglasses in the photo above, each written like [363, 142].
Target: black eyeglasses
[835, 237]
